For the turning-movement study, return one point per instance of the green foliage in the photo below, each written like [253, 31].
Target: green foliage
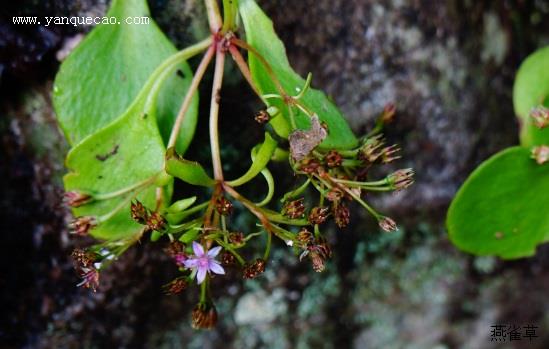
[188, 171]
[500, 209]
[260, 161]
[104, 74]
[122, 155]
[261, 35]
[531, 90]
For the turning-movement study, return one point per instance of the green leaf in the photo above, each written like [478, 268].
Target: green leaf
[188, 171]
[262, 158]
[531, 89]
[181, 205]
[122, 155]
[501, 208]
[261, 35]
[104, 74]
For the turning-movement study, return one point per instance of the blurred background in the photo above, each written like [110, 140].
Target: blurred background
[447, 65]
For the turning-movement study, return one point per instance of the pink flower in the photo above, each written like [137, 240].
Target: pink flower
[203, 262]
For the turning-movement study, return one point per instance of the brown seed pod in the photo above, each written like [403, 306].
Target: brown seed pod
[333, 159]
[342, 215]
[223, 206]
[176, 286]
[139, 212]
[204, 316]
[318, 215]
[253, 270]
[294, 209]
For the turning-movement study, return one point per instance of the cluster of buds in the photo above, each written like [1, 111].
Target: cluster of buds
[204, 316]
[153, 220]
[76, 198]
[540, 154]
[318, 251]
[82, 225]
[254, 269]
[84, 264]
[540, 116]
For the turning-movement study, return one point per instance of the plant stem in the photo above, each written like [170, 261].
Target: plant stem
[268, 247]
[241, 63]
[199, 74]
[214, 18]
[214, 115]
[166, 67]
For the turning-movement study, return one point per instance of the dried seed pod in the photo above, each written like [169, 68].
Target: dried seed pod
[318, 215]
[223, 206]
[82, 225]
[253, 270]
[294, 209]
[540, 116]
[262, 117]
[304, 237]
[333, 159]
[82, 258]
[155, 221]
[76, 198]
[204, 316]
[310, 165]
[139, 212]
[176, 286]
[227, 258]
[335, 195]
[342, 215]
[540, 154]
[387, 224]
[174, 248]
[237, 238]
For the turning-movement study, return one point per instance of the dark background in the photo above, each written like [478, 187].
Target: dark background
[447, 65]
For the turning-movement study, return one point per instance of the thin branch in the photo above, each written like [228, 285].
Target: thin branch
[199, 74]
[214, 115]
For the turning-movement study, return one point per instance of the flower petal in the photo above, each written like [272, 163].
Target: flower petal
[198, 249]
[214, 251]
[215, 267]
[191, 263]
[201, 275]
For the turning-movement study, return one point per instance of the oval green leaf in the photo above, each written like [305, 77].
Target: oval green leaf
[104, 74]
[531, 89]
[261, 35]
[501, 208]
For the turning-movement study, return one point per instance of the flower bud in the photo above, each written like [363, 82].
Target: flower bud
[227, 258]
[262, 117]
[253, 270]
[333, 159]
[223, 206]
[304, 237]
[342, 215]
[318, 215]
[76, 198]
[540, 154]
[139, 212]
[294, 209]
[310, 165]
[389, 154]
[387, 224]
[204, 316]
[82, 225]
[176, 286]
[156, 222]
[388, 113]
[370, 151]
[90, 278]
[237, 238]
[540, 115]
[401, 179]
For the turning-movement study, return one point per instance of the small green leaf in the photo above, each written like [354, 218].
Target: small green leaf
[189, 236]
[261, 35]
[262, 158]
[501, 208]
[104, 74]
[181, 205]
[531, 89]
[188, 171]
[155, 235]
